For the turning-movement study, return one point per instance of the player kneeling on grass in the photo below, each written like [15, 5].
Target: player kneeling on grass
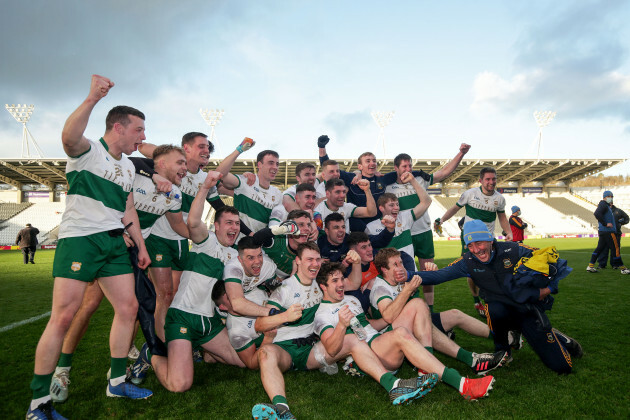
[396, 301]
[293, 347]
[335, 324]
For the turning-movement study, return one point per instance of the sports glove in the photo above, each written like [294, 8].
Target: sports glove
[286, 228]
[245, 145]
[437, 226]
[322, 141]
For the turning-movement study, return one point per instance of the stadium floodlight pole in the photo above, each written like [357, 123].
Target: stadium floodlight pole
[22, 113]
[382, 119]
[212, 117]
[543, 118]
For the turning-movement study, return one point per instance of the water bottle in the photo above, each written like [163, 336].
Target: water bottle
[358, 329]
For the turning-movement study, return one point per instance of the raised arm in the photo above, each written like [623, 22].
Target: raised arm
[370, 205]
[229, 180]
[72, 138]
[448, 169]
[353, 281]
[198, 230]
[425, 198]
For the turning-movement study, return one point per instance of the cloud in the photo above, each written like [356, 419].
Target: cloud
[573, 62]
[345, 123]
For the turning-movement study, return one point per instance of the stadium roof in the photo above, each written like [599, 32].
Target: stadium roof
[548, 172]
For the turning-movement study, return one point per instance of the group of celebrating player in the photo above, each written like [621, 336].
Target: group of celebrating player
[324, 272]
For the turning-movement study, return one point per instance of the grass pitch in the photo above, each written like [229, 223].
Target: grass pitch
[592, 308]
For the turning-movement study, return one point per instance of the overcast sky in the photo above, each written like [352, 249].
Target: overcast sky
[287, 71]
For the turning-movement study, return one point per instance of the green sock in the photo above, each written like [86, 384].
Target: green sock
[431, 308]
[476, 299]
[119, 367]
[279, 399]
[41, 385]
[65, 360]
[429, 349]
[387, 381]
[451, 377]
[465, 356]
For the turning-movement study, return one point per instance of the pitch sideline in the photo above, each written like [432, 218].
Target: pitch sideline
[23, 322]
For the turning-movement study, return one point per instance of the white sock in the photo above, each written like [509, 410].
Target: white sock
[396, 383]
[37, 402]
[117, 381]
[461, 385]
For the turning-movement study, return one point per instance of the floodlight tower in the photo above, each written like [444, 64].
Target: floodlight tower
[22, 113]
[543, 118]
[212, 117]
[382, 119]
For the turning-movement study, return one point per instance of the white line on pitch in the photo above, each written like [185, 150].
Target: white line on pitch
[24, 321]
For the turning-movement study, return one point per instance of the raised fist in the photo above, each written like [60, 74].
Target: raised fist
[245, 145]
[389, 222]
[100, 87]
[352, 257]
[322, 141]
[464, 148]
[364, 184]
[212, 179]
[406, 177]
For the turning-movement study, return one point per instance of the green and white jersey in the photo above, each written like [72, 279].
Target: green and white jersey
[382, 290]
[327, 316]
[205, 266]
[408, 199]
[281, 255]
[241, 331]
[402, 233]
[98, 188]
[234, 273]
[291, 291]
[189, 187]
[151, 205]
[347, 210]
[255, 203]
[319, 192]
[278, 215]
[482, 207]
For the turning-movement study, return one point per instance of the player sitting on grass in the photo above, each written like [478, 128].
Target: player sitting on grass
[292, 347]
[333, 325]
[396, 301]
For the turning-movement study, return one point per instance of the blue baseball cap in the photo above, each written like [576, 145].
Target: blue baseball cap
[608, 194]
[515, 209]
[476, 230]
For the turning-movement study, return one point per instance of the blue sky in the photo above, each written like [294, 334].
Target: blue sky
[287, 71]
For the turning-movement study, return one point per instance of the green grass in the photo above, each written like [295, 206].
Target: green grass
[590, 307]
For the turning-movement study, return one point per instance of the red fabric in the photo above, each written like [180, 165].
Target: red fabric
[368, 275]
[517, 232]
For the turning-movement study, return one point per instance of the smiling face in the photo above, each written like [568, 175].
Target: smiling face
[131, 135]
[227, 228]
[172, 166]
[367, 165]
[304, 224]
[197, 153]
[308, 265]
[305, 200]
[251, 260]
[336, 197]
[330, 172]
[307, 176]
[405, 166]
[390, 208]
[334, 288]
[335, 232]
[268, 168]
[482, 250]
[365, 251]
[488, 183]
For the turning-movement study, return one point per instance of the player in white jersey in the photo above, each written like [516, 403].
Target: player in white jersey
[304, 174]
[255, 202]
[335, 201]
[98, 208]
[389, 205]
[482, 203]
[192, 320]
[305, 198]
[293, 344]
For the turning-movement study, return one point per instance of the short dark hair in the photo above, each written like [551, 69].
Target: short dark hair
[333, 217]
[189, 138]
[400, 158]
[381, 260]
[334, 182]
[326, 270]
[355, 238]
[296, 214]
[304, 187]
[120, 114]
[264, 153]
[364, 154]
[307, 245]
[247, 242]
[386, 198]
[302, 166]
[165, 149]
[487, 170]
[330, 162]
[225, 209]
[218, 291]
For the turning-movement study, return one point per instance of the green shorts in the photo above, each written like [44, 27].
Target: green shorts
[197, 329]
[167, 253]
[299, 354]
[90, 257]
[423, 245]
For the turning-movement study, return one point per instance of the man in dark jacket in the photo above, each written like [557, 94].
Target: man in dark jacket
[621, 218]
[27, 240]
[608, 236]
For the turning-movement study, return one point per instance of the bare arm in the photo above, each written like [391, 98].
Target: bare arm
[353, 281]
[425, 198]
[450, 213]
[176, 220]
[230, 181]
[240, 303]
[391, 309]
[333, 339]
[505, 225]
[72, 138]
[131, 216]
[289, 203]
[197, 229]
[439, 176]
[370, 205]
[147, 149]
[266, 323]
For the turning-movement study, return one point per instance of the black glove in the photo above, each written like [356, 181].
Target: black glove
[322, 141]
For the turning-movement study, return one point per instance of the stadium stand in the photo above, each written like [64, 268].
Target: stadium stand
[9, 210]
[566, 206]
[44, 216]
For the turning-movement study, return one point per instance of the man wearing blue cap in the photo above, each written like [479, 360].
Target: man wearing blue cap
[608, 237]
[517, 225]
[489, 263]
